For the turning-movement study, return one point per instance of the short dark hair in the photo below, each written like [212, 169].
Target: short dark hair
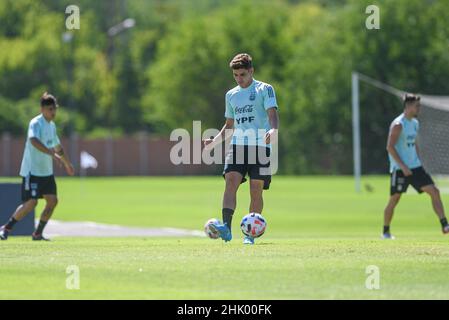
[48, 100]
[410, 97]
[241, 61]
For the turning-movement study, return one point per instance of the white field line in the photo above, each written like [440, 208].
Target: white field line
[57, 228]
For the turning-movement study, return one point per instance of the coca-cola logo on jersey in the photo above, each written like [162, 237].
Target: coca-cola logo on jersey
[244, 109]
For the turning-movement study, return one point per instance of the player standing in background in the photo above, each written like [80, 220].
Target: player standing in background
[405, 165]
[41, 148]
[251, 108]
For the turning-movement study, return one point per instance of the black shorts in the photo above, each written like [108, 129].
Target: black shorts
[399, 183]
[251, 160]
[36, 187]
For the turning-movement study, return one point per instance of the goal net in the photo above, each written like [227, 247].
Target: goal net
[433, 136]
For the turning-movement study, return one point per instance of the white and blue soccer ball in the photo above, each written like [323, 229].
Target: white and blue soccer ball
[211, 232]
[253, 225]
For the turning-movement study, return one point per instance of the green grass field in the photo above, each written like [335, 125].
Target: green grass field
[321, 237]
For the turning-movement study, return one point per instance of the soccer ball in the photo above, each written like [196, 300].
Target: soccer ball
[210, 232]
[253, 225]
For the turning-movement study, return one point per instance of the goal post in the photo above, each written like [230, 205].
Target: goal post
[433, 137]
[357, 152]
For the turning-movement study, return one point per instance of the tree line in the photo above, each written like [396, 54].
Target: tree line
[172, 68]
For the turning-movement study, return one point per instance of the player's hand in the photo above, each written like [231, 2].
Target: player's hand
[208, 144]
[57, 158]
[271, 135]
[407, 172]
[70, 169]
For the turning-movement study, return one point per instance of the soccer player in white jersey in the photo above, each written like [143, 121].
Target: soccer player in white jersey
[41, 148]
[252, 120]
[405, 165]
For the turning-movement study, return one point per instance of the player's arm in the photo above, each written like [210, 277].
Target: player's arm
[273, 118]
[417, 151]
[392, 140]
[33, 135]
[67, 164]
[42, 148]
[50, 151]
[224, 134]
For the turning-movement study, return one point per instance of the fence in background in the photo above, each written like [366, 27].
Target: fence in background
[144, 155]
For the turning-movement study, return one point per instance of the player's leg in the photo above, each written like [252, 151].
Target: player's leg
[233, 180]
[30, 196]
[234, 174]
[423, 182]
[259, 178]
[259, 181]
[256, 190]
[48, 190]
[388, 214]
[21, 212]
[437, 205]
[398, 185]
[50, 205]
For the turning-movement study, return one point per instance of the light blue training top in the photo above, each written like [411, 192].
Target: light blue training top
[248, 107]
[35, 162]
[406, 144]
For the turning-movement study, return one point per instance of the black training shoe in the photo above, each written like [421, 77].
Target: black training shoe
[446, 229]
[4, 233]
[39, 237]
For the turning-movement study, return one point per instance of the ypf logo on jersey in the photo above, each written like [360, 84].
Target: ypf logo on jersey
[244, 120]
[246, 110]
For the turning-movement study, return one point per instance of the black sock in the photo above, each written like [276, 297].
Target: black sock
[386, 229]
[443, 222]
[10, 224]
[227, 216]
[40, 227]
